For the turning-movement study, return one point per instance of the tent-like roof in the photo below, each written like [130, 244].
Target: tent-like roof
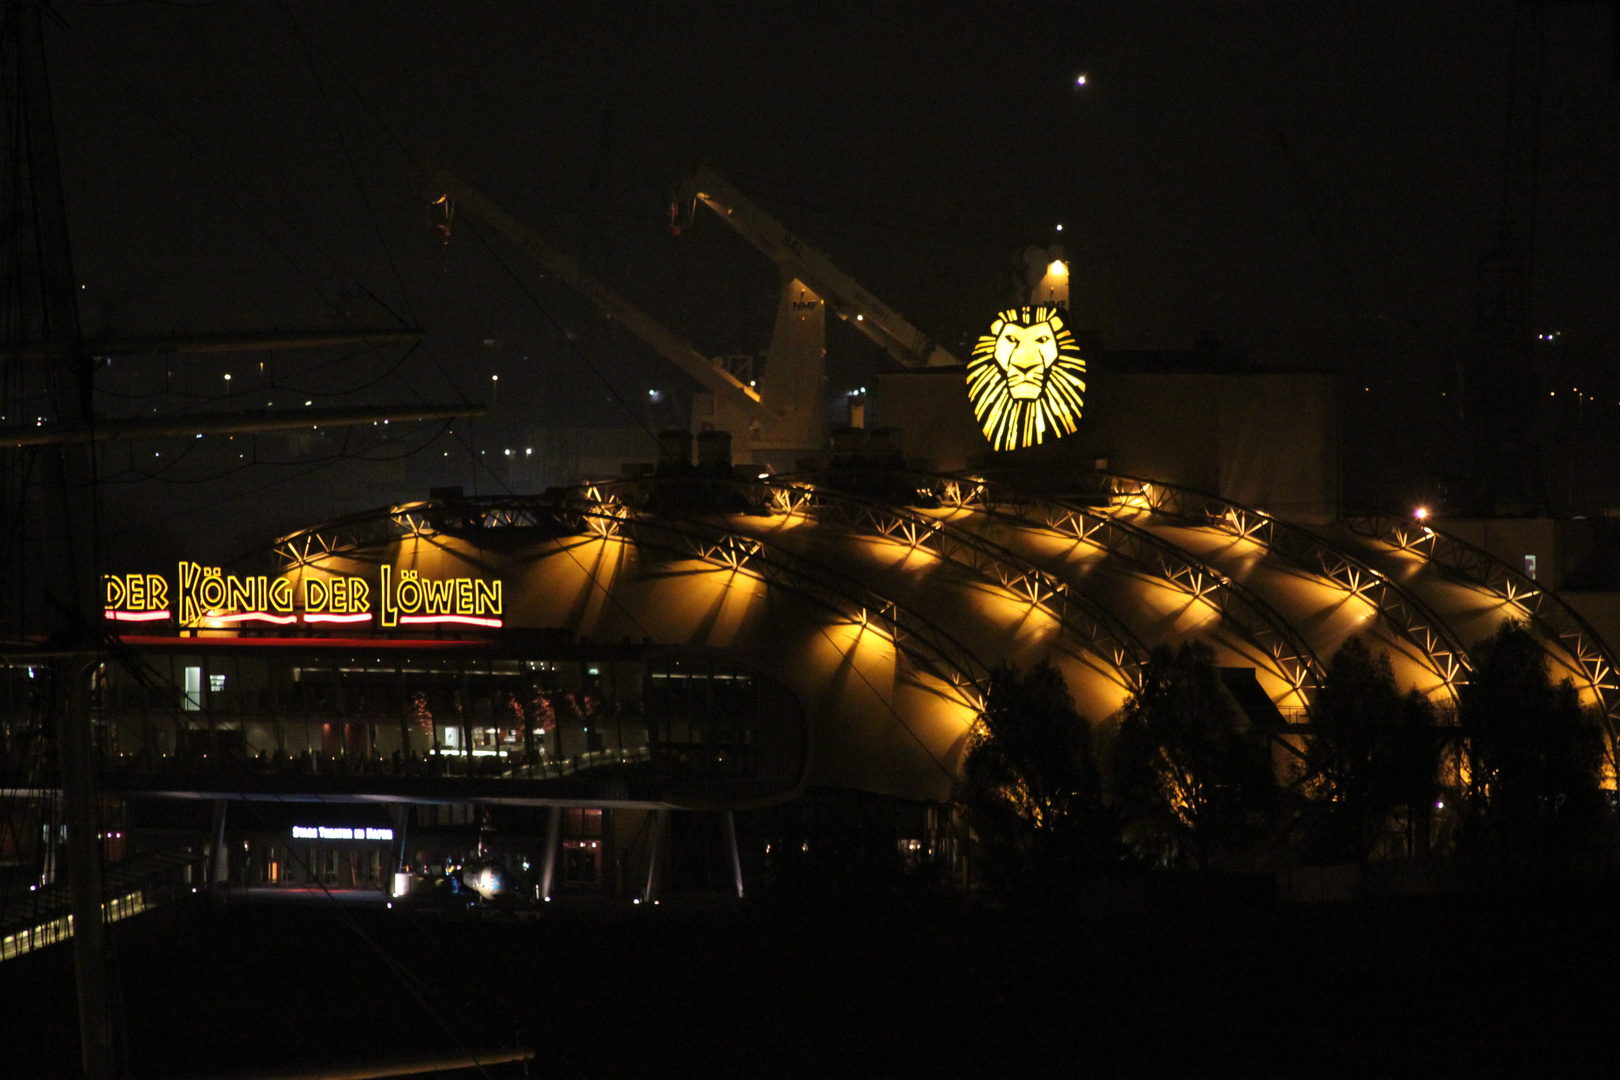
[882, 599]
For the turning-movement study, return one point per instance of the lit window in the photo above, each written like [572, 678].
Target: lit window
[193, 686]
[216, 683]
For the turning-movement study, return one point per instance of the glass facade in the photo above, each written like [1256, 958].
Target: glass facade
[628, 724]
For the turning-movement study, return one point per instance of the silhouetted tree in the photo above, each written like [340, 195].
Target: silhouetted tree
[1191, 776]
[1372, 753]
[1533, 755]
[1029, 787]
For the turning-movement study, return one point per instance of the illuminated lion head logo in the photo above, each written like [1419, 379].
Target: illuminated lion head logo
[1026, 379]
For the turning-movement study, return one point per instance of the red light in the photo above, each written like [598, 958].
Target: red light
[258, 616]
[135, 616]
[470, 620]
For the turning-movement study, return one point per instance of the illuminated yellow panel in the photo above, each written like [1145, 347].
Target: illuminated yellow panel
[1026, 379]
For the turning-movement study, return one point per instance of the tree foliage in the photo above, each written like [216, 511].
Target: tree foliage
[1373, 753]
[1534, 756]
[1029, 787]
[1192, 777]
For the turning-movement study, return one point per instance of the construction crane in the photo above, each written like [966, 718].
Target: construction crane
[774, 413]
[812, 269]
[741, 403]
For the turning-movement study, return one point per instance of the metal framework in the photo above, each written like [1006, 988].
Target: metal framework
[1097, 629]
[592, 512]
[1545, 611]
[1438, 647]
[1255, 621]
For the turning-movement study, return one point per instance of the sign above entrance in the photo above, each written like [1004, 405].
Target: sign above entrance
[324, 832]
[204, 597]
[1026, 379]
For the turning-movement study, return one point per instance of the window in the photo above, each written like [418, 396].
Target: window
[216, 684]
[1530, 567]
[193, 689]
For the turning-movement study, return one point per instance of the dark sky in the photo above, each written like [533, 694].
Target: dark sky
[1313, 183]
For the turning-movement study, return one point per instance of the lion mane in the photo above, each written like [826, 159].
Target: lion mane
[1026, 379]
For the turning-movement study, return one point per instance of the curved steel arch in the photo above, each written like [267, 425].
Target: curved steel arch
[1543, 609]
[925, 644]
[1097, 629]
[963, 670]
[1238, 606]
[1399, 606]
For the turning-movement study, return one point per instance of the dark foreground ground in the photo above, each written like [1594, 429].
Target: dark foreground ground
[1512, 983]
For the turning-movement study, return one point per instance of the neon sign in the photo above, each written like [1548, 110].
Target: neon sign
[337, 600]
[414, 599]
[1026, 379]
[206, 593]
[136, 597]
[208, 598]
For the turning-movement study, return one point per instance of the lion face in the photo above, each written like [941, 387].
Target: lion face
[1024, 353]
[1026, 379]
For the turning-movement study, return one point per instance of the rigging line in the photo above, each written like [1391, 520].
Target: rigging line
[607, 593]
[345, 359]
[573, 345]
[130, 474]
[195, 152]
[348, 157]
[261, 389]
[1017, 1015]
[124, 476]
[427, 175]
[242, 494]
[414, 984]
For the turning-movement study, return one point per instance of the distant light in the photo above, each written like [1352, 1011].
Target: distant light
[494, 378]
[1058, 269]
[860, 318]
[1421, 513]
[227, 376]
[1060, 226]
[309, 403]
[1441, 805]
[1080, 80]
[764, 475]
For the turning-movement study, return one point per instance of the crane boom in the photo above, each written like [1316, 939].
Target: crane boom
[612, 306]
[871, 316]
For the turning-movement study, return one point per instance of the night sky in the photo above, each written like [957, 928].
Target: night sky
[1313, 184]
